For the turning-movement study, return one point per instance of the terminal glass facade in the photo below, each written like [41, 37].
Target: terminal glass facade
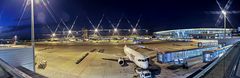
[197, 33]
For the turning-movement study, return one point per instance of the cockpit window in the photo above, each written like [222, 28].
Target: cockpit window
[142, 60]
[147, 74]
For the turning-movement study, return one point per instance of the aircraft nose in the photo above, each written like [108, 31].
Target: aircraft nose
[145, 66]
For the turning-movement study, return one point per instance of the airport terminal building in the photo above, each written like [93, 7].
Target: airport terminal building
[196, 33]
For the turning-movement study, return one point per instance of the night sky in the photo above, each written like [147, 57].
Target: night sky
[155, 15]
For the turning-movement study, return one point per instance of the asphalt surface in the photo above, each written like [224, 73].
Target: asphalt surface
[61, 61]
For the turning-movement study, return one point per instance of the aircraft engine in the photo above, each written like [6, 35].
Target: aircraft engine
[121, 61]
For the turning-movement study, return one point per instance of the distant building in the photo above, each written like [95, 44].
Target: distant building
[195, 33]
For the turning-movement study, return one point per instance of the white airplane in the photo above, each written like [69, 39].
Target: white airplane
[132, 56]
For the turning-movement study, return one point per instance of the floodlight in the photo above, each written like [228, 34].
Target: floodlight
[134, 29]
[69, 32]
[53, 34]
[96, 30]
[224, 12]
[146, 30]
[115, 30]
[37, 1]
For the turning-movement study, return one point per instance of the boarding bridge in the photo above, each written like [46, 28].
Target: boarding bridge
[227, 66]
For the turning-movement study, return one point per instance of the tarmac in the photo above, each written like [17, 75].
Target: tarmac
[61, 62]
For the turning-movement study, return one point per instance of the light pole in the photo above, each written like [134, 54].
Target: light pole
[225, 22]
[32, 33]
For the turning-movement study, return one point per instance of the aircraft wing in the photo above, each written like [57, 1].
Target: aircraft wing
[110, 59]
[116, 60]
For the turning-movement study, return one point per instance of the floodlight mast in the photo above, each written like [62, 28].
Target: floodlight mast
[53, 36]
[115, 31]
[95, 31]
[225, 22]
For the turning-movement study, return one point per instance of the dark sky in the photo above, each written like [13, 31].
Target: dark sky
[156, 14]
